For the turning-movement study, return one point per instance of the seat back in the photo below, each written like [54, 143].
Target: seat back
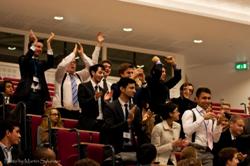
[69, 123]
[33, 122]
[65, 138]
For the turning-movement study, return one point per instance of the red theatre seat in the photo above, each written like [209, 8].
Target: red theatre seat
[69, 123]
[34, 122]
[64, 139]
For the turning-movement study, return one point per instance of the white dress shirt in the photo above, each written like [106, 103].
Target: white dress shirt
[201, 127]
[59, 75]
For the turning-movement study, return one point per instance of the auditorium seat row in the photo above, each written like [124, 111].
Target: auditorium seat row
[63, 140]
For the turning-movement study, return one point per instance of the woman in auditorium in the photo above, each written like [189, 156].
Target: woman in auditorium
[55, 121]
[165, 135]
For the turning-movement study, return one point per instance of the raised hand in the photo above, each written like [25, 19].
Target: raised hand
[108, 95]
[32, 36]
[170, 60]
[131, 114]
[155, 59]
[100, 38]
[80, 48]
[51, 37]
[75, 49]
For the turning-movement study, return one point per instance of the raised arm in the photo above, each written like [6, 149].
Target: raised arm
[100, 39]
[49, 49]
[61, 68]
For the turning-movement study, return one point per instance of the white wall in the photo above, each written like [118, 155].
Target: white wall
[224, 82]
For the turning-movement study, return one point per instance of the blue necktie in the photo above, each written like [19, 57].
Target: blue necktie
[74, 89]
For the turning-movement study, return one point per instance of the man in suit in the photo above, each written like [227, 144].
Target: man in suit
[9, 136]
[32, 88]
[184, 102]
[92, 99]
[232, 137]
[119, 117]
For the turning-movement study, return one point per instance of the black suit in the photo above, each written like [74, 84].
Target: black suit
[28, 69]
[241, 143]
[89, 106]
[15, 156]
[115, 125]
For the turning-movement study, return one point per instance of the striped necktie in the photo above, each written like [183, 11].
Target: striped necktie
[74, 90]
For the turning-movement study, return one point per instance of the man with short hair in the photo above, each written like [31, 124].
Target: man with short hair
[232, 137]
[92, 100]
[201, 127]
[105, 84]
[67, 79]
[9, 136]
[119, 117]
[32, 88]
[184, 102]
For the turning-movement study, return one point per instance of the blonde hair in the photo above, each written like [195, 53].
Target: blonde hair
[44, 123]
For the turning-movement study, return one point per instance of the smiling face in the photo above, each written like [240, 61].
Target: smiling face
[38, 49]
[107, 69]
[71, 68]
[129, 91]
[204, 100]
[98, 75]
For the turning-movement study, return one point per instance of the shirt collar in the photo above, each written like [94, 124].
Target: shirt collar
[93, 83]
[122, 102]
[200, 109]
[167, 127]
[4, 147]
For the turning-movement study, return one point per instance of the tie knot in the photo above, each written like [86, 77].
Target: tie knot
[96, 87]
[126, 105]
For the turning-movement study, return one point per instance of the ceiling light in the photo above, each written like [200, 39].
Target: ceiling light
[127, 29]
[198, 41]
[11, 48]
[59, 18]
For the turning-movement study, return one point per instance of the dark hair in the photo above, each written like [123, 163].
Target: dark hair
[185, 85]
[123, 67]
[106, 61]
[226, 154]
[202, 89]
[167, 108]
[94, 68]
[5, 82]
[6, 125]
[146, 154]
[123, 82]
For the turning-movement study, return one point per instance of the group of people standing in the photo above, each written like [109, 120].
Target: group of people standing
[134, 111]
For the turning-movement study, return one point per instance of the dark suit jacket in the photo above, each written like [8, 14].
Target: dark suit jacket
[115, 125]
[14, 153]
[88, 105]
[27, 70]
[241, 143]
